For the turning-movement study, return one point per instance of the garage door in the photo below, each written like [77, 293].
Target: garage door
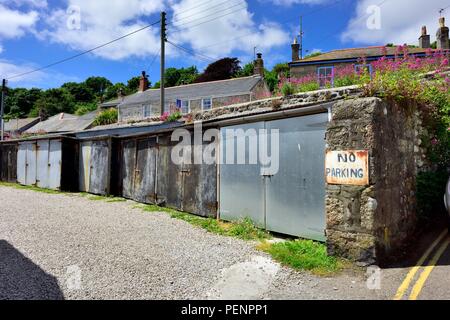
[290, 200]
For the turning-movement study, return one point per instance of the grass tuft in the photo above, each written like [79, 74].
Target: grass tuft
[243, 229]
[304, 255]
[31, 188]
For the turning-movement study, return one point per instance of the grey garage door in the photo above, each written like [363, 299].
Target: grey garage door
[95, 165]
[290, 200]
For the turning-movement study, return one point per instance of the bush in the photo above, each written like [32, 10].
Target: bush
[174, 116]
[106, 117]
[287, 89]
[84, 108]
[430, 193]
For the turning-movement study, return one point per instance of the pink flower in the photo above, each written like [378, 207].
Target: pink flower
[434, 141]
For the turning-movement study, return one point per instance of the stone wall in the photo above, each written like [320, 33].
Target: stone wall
[370, 223]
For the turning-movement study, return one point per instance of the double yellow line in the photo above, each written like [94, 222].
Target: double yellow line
[418, 286]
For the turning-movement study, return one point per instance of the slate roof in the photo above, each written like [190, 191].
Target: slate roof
[64, 122]
[20, 124]
[223, 88]
[355, 53]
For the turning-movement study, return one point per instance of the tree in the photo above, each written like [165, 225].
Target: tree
[222, 69]
[80, 91]
[53, 101]
[281, 69]
[113, 91]
[271, 78]
[20, 101]
[246, 71]
[133, 85]
[98, 85]
[177, 77]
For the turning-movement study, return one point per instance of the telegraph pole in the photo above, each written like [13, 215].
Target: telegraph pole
[163, 57]
[301, 37]
[2, 110]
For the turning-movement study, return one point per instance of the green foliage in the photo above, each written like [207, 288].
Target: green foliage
[246, 71]
[133, 85]
[304, 255]
[312, 55]
[98, 85]
[281, 69]
[174, 116]
[84, 108]
[308, 86]
[271, 78]
[19, 102]
[243, 229]
[80, 91]
[53, 101]
[430, 192]
[106, 117]
[287, 89]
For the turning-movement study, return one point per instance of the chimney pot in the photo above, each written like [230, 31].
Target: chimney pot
[442, 35]
[259, 65]
[424, 40]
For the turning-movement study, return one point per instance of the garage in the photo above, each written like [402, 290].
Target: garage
[48, 163]
[139, 169]
[8, 162]
[289, 200]
[95, 165]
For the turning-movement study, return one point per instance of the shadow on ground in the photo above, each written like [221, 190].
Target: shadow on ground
[419, 244]
[21, 279]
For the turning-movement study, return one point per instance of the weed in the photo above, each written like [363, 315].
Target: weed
[304, 255]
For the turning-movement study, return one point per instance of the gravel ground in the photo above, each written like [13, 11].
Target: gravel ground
[56, 246]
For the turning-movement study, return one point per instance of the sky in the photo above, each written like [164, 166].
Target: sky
[36, 33]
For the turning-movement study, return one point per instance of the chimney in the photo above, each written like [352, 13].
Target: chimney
[295, 50]
[442, 35]
[143, 82]
[120, 94]
[424, 40]
[259, 65]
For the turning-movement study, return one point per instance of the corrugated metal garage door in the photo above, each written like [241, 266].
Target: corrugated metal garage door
[39, 163]
[94, 164]
[290, 201]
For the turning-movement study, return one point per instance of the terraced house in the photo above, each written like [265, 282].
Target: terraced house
[324, 65]
[192, 97]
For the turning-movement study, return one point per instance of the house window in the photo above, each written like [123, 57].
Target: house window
[147, 111]
[361, 68]
[325, 76]
[184, 106]
[206, 104]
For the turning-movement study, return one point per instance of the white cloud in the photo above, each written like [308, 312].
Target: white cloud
[291, 2]
[31, 3]
[14, 23]
[1, 48]
[212, 38]
[104, 20]
[36, 79]
[401, 21]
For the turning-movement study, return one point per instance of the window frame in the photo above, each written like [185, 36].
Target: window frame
[210, 103]
[362, 66]
[331, 75]
[144, 109]
[188, 106]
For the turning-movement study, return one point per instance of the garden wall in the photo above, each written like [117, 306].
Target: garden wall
[369, 223]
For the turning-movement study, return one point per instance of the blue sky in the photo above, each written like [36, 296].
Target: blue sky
[34, 33]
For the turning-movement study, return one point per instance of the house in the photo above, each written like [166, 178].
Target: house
[15, 127]
[63, 123]
[192, 97]
[324, 65]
